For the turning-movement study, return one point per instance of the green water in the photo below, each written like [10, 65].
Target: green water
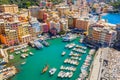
[48, 55]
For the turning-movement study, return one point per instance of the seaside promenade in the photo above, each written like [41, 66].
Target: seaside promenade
[97, 66]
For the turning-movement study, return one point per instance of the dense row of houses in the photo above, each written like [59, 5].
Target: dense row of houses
[22, 26]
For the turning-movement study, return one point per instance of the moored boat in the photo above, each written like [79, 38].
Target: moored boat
[23, 63]
[52, 71]
[63, 53]
[31, 53]
[69, 37]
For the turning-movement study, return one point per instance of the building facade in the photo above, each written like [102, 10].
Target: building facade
[9, 8]
[10, 37]
[103, 35]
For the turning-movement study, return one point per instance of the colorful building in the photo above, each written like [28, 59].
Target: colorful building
[10, 37]
[64, 24]
[102, 34]
[7, 16]
[41, 13]
[2, 26]
[44, 27]
[9, 8]
[82, 24]
[23, 32]
[34, 11]
[36, 26]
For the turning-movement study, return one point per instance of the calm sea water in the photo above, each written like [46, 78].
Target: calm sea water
[48, 55]
[52, 56]
[112, 18]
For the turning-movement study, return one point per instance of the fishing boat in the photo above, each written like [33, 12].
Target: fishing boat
[63, 53]
[45, 68]
[52, 71]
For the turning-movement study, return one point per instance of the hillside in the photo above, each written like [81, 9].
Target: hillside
[26, 3]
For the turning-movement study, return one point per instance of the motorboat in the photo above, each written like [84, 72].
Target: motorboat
[63, 53]
[31, 43]
[23, 63]
[31, 53]
[52, 71]
[45, 43]
[24, 55]
[17, 52]
[38, 45]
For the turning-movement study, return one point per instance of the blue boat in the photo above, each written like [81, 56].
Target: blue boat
[38, 45]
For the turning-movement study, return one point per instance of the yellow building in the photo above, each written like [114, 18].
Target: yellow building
[23, 33]
[9, 8]
[10, 37]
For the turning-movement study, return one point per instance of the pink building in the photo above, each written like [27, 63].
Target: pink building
[45, 27]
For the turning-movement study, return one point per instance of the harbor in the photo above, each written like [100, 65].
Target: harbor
[33, 65]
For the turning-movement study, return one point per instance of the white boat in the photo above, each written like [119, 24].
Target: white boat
[31, 53]
[70, 74]
[17, 52]
[52, 71]
[69, 37]
[63, 53]
[11, 56]
[24, 55]
[23, 63]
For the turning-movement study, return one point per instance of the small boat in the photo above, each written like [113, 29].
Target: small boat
[63, 53]
[17, 52]
[45, 69]
[31, 53]
[52, 71]
[23, 63]
[11, 56]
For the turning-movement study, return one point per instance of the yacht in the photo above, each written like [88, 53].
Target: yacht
[69, 37]
[52, 71]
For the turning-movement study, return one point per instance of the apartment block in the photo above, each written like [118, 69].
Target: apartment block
[82, 24]
[10, 37]
[9, 8]
[102, 34]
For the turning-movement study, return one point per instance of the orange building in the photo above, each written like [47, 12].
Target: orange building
[9, 8]
[2, 26]
[3, 39]
[82, 24]
[41, 12]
